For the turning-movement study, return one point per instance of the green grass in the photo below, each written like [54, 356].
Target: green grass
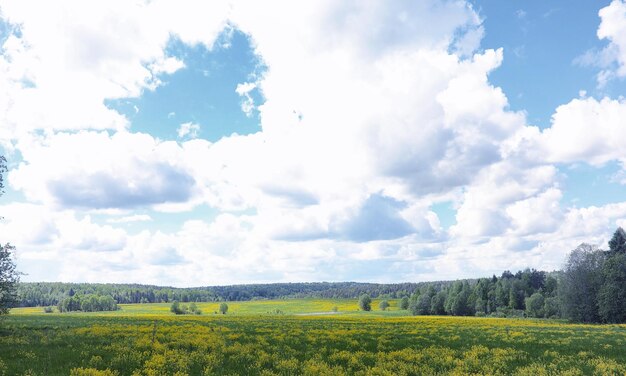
[149, 340]
[257, 307]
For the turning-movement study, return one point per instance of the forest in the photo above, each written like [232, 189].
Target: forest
[590, 288]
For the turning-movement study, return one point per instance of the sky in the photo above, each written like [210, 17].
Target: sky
[208, 143]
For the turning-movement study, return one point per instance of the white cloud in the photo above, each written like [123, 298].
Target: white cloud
[613, 28]
[247, 102]
[68, 58]
[188, 130]
[93, 170]
[362, 129]
[587, 130]
[131, 218]
[168, 65]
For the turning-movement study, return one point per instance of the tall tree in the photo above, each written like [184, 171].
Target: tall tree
[365, 302]
[581, 282]
[9, 277]
[612, 295]
[617, 244]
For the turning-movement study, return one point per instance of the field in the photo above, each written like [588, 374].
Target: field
[300, 337]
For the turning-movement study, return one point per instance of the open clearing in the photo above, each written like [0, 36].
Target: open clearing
[270, 338]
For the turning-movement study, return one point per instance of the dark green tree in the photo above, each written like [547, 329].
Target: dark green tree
[9, 276]
[551, 307]
[534, 305]
[581, 283]
[365, 302]
[176, 308]
[383, 305]
[612, 295]
[420, 305]
[617, 244]
[437, 303]
[223, 308]
[404, 303]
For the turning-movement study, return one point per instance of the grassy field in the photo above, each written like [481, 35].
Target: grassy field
[253, 339]
[257, 307]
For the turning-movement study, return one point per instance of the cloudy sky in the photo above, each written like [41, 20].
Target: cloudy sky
[197, 143]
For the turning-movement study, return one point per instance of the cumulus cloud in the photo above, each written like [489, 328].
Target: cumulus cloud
[613, 29]
[587, 130]
[188, 130]
[93, 170]
[131, 218]
[362, 129]
[63, 60]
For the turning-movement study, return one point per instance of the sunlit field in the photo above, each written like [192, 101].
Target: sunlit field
[291, 337]
[259, 307]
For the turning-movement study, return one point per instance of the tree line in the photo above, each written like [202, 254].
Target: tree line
[591, 288]
[86, 303]
[32, 294]
[526, 293]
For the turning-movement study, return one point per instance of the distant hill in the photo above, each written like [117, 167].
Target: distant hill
[50, 293]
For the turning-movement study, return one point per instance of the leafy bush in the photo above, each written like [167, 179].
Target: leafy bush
[365, 302]
[383, 305]
[223, 308]
[176, 308]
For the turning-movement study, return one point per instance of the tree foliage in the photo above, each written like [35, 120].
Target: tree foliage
[612, 294]
[581, 282]
[383, 305]
[9, 276]
[617, 244]
[535, 305]
[365, 302]
[404, 303]
[175, 308]
[223, 308]
[87, 303]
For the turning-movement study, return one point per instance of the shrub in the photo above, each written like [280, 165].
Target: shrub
[223, 308]
[383, 305]
[365, 302]
[176, 308]
[404, 303]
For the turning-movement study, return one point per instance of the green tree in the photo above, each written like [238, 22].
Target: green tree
[617, 244]
[176, 308]
[365, 302]
[404, 303]
[437, 303]
[534, 305]
[421, 305]
[551, 307]
[223, 308]
[383, 305]
[9, 276]
[581, 282]
[612, 295]
[193, 308]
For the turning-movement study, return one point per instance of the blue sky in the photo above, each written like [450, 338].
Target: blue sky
[194, 145]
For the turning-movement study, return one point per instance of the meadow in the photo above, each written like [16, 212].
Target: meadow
[293, 337]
